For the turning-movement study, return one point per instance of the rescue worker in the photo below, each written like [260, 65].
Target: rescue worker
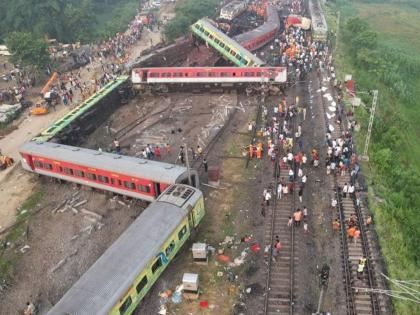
[350, 232]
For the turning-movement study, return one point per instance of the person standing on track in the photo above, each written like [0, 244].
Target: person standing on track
[267, 198]
[297, 217]
[345, 190]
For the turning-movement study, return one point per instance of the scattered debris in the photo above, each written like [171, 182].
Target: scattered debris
[25, 248]
[80, 203]
[60, 263]
[91, 213]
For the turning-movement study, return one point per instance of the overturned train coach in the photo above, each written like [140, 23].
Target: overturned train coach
[124, 175]
[224, 76]
[119, 280]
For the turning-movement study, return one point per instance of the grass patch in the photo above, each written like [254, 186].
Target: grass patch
[394, 167]
[15, 235]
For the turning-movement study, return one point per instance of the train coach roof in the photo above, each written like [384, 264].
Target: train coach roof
[272, 22]
[127, 165]
[109, 278]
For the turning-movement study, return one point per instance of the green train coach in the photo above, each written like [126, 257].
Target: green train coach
[78, 111]
[118, 281]
[229, 48]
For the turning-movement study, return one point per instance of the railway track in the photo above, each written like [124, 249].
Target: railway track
[358, 301]
[280, 283]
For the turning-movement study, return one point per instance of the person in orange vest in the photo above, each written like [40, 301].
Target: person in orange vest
[350, 232]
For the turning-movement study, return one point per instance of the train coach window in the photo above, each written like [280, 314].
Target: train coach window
[249, 74]
[38, 164]
[224, 74]
[157, 265]
[177, 74]
[103, 179]
[125, 306]
[79, 173]
[259, 74]
[48, 166]
[144, 188]
[201, 74]
[68, 171]
[154, 75]
[206, 33]
[141, 284]
[129, 185]
[91, 176]
[211, 74]
[182, 232]
[170, 248]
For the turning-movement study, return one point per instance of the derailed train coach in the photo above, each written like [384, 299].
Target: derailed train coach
[120, 279]
[124, 175]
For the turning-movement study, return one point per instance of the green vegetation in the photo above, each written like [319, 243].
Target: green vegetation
[380, 46]
[188, 12]
[27, 50]
[14, 236]
[67, 21]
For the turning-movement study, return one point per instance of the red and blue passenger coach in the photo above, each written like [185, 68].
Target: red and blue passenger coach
[125, 175]
[208, 75]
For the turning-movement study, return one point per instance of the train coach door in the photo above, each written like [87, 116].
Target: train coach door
[157, 189]
[191, 221]
[144, 76]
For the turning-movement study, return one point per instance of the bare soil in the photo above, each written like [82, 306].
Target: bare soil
[174, 118]
[39, 274]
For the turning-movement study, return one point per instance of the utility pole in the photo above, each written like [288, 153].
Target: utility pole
[188, 164]
[337, 31]
[371, 118]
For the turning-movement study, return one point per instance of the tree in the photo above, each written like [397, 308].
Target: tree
[28, 50]
[356, 25]
[366, 39]
[78, 21]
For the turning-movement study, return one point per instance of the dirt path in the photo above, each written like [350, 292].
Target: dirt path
[15, 184]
